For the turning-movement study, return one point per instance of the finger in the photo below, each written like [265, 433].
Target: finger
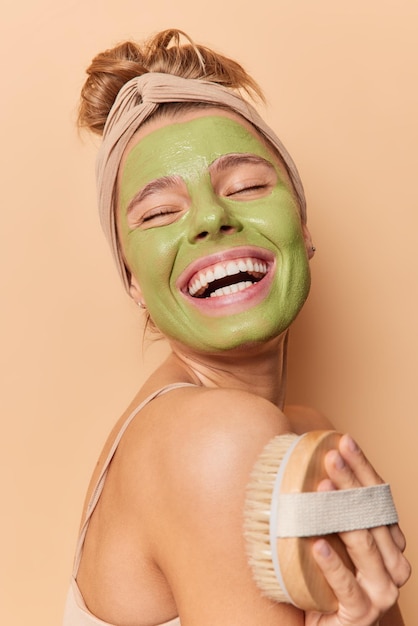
[394, 532]
[372, 573]
[389, 541]
[394, 561]
[356, 459]
[367, 475]
[352, 599]
[398, 536]
[339, 472]
[326, 485]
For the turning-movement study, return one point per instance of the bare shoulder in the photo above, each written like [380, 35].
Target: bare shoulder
[200, 447]
[304, 418]
[198, 436]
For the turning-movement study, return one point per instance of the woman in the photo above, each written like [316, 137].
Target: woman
[205, 215]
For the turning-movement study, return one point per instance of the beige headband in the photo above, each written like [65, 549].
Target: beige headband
[135, 103]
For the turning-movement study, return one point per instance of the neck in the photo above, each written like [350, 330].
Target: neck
[259, 369]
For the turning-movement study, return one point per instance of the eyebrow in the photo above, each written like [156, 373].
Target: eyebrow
[222, 163]
[154, 186]
[227, 161]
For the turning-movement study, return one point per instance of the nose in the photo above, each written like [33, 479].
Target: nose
[210, 219]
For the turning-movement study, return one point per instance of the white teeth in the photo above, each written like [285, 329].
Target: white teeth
[202, 280]
[219, 271]
[226, 291]
[232, 268]
[210, 276]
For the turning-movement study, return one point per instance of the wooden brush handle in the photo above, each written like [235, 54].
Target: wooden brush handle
[284, 514]
[304, 581]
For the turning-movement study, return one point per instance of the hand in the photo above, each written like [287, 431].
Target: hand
[377, 554]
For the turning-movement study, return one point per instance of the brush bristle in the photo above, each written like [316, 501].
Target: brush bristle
[257, 515]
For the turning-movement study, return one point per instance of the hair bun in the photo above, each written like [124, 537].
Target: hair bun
[164, 52]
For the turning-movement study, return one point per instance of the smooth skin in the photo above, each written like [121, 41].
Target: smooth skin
[166, 537]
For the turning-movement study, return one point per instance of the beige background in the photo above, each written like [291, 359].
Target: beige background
[341, 81]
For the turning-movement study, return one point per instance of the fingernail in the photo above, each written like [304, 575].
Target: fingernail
[351, 444]
[323, 548]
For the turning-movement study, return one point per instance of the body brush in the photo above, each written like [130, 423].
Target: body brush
[284, 515]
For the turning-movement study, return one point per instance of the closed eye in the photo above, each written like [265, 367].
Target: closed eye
[158, 212]
[159, 203]
[247, 189]
[156, 216]
[243, 177]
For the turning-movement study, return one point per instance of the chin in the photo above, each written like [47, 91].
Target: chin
[235, 342]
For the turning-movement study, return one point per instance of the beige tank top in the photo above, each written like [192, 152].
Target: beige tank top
[76, 613]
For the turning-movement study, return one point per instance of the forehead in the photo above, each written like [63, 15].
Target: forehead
[186, 146]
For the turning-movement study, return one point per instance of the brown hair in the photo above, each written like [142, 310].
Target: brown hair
[164, 53]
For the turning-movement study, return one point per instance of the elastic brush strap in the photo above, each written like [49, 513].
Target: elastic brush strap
[325, 512]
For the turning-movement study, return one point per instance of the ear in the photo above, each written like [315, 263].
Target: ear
[135, 292]
[310, 249]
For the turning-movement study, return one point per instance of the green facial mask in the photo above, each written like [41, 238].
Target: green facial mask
[199, 210]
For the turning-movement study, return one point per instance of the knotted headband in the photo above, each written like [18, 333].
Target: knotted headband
[138, 99]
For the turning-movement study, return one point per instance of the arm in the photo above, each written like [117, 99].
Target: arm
[199, 479]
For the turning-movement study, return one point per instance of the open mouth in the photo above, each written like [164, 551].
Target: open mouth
[228, 277]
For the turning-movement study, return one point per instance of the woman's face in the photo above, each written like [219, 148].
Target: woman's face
[211, 233]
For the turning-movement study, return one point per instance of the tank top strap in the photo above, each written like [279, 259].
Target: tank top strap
[96, 493]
